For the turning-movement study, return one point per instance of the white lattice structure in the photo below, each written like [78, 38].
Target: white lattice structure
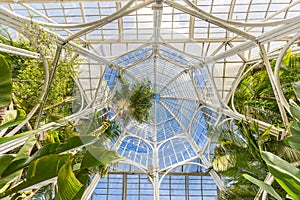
[193, 52]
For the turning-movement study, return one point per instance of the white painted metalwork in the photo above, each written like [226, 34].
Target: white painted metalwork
[195, 53]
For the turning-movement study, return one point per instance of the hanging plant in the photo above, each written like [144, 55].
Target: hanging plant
[134, 100]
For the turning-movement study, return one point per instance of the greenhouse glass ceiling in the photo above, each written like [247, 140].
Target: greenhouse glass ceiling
[194, 53]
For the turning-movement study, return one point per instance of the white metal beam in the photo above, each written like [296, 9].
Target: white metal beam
[18, 51]
[209, 18]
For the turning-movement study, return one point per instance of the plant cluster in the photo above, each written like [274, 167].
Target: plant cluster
[255, 97]
[66, 157]
[247, 152]
[134, 100]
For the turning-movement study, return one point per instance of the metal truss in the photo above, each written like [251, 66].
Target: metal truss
[195, 60]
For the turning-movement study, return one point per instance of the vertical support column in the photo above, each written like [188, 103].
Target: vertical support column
[124, 186]
[154, 172]
[155, 185]
[187, 195]
[274, 85]
[90, 189]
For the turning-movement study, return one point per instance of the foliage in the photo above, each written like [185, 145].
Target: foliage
[284, 173]
[12, 118]
[55, 159]
[134, 100]
[263, 185]
[5, 83]
[24, 171]
[99, 125]
[28, 76]
[238, 152]
[255, 97]
[140, 101]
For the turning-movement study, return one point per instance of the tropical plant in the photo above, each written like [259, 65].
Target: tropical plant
[285, 173]
[29, 75]
[134, 100]
[238, 152]
[254, 96]
[58, 161]
[12, 117]
[5, 87]
[67, 158]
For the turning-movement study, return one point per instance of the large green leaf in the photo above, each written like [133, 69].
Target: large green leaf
[6, 160]
[295, 109]
[288, 181]
[83, 177]
[55, 148]
[39, 173]
[68, 185]
[77, 142]
[99, 156]
[297, 90]
[12, 118]
[14, 137]
[6, 181]
[263, 185]
[295, 128]
[272, 159]
[5, 82]
[26, 148]
[284, 173]
[293, 141]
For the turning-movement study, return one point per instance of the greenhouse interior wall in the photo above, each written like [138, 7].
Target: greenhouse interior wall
[149, 99]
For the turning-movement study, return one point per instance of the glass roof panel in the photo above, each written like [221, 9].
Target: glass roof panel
[168, 156]
[137, 151]
[193, 60]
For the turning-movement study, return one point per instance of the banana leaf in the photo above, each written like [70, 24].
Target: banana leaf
[7, 159]
[295, 109]
[40, 172]
[295, 128]
[263, 185]
[55, 148]
[68, 184]
[3, 140]
[293, 141]
[12, 118]
[99, 156]
[26, 148]
[5, 83]
[285, 174]
[297, 90]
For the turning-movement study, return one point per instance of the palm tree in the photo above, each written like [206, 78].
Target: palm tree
[133, 100]
[239, 152]
[236, 154]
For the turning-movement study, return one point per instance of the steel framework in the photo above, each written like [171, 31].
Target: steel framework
[194, 53]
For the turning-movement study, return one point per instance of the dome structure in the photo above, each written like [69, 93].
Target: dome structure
[194, 53]
[180, 88]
